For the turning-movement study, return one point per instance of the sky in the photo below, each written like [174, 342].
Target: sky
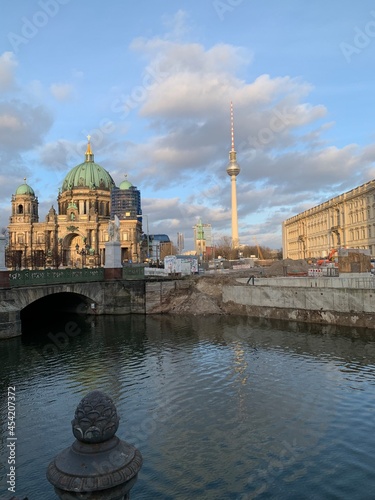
[152, 82]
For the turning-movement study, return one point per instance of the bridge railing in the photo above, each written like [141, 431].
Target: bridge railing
[133, 271]
[28, 277]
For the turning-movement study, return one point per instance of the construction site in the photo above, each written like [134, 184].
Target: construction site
[338, 261]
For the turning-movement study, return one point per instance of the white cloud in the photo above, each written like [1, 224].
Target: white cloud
[177, 24]
[62, 91]
[172, 215]
[22, 125]
[62, 155]
[22, 128]
[8, 65]
[10, 123]
[279, 134]
[179, 158]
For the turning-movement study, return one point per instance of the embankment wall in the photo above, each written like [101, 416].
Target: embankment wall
[341, 306]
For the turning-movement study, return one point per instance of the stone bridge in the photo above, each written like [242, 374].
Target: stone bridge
[104, 297]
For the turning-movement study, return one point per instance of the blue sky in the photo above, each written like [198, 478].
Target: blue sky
[152, 82]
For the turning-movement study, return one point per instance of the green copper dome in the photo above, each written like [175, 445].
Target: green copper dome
[88, 174]
[25, 189]
[125, 185]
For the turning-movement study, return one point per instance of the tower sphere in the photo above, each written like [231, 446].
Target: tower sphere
[233, 167]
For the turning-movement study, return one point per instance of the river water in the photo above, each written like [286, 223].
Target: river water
[220, 407]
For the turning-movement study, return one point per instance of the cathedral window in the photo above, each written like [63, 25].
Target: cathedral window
[20, 209]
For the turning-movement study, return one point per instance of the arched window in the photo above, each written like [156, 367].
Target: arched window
[20, 209]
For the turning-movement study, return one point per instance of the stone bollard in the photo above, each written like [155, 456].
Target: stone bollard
[98, 465]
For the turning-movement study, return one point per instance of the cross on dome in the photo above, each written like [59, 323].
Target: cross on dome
[89, 156]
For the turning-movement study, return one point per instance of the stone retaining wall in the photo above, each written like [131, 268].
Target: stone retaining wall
[340, 306]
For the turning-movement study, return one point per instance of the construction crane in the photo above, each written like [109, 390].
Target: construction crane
[260, 255]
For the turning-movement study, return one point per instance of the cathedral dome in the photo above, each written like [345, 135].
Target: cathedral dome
[88, 174]
[25, 189]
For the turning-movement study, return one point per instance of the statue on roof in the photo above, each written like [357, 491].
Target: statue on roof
[114, 229]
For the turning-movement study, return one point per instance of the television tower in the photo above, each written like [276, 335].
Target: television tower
[233, 169]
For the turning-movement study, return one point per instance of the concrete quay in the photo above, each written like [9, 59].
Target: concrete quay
[347, 280]
[347, 301]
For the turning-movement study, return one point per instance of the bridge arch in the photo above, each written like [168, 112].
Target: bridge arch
[88, 294]
[89, 298]
[64, 311]
[68, 302]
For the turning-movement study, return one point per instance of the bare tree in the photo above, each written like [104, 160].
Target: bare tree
[13, 259]
[56, 256]
[224, 248]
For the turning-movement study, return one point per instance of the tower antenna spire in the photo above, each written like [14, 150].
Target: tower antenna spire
[232, 124]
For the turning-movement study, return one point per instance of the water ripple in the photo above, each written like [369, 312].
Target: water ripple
[221, 408]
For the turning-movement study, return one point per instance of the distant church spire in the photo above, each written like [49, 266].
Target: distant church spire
[89, 154]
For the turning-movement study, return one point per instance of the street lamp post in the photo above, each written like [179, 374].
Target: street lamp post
[147, 235]
[83, 252]
[60, 258]
[26, 256]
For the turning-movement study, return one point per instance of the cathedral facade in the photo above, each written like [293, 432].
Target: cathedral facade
[75, 235]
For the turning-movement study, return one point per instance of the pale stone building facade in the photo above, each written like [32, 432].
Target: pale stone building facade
[346, 221]
[75, 235]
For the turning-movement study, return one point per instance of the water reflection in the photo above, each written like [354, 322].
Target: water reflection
[221, 407]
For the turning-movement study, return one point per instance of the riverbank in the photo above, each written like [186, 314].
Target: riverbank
[347, 300]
